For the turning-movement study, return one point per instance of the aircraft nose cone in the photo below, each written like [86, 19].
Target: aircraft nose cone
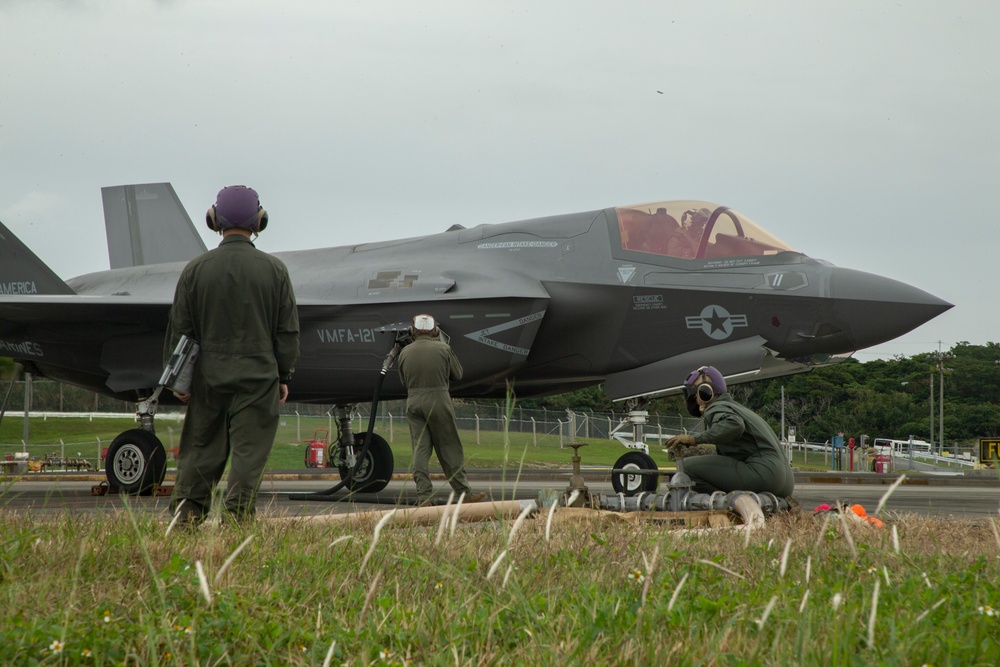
[877, 309]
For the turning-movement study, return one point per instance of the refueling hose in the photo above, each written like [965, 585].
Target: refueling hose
[346, 481]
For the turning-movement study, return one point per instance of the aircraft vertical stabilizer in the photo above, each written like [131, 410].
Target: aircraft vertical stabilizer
[21, 272]
[146, 224]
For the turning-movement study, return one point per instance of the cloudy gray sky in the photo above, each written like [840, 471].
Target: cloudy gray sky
[860, 132]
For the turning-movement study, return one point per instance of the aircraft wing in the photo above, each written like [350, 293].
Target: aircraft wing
[739, 361]
[79, 337]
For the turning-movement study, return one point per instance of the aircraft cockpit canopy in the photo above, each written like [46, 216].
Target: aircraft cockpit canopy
[693, 230]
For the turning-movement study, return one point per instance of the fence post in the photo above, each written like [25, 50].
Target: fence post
[27, 410]
[534, 433]
[559, 421]
[392, 423]
[298, 426]
[477, 428]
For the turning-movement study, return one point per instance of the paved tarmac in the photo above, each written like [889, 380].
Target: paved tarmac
[293, 493]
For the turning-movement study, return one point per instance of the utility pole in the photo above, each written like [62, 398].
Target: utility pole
[932, 406]
[940, 400]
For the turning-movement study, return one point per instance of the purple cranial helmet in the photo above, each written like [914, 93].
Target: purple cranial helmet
[705, 383]
[236, 206]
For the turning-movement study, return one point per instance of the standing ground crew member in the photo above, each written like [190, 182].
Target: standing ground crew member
[426, 367]
[237, 303]
[749, 456]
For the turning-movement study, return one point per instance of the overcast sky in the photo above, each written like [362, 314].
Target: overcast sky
[860, 132]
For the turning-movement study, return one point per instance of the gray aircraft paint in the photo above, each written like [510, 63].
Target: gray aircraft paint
[551, 305]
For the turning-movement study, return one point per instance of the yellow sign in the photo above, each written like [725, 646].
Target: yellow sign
[989, 451]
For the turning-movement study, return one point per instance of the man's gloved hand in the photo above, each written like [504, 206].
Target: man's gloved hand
[682, 439]
[683, 446]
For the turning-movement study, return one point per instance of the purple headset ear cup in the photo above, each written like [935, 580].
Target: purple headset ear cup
[261, 221]
[210, 218]
[706, 392]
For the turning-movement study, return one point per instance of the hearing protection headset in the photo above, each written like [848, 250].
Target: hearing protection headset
[705, 384]
[236, 206]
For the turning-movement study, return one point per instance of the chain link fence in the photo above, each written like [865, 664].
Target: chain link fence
[45, 399]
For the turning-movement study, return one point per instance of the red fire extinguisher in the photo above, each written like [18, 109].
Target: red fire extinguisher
[315, 455]
[316, 451]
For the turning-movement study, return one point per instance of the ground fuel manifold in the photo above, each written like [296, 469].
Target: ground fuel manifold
[680, 497]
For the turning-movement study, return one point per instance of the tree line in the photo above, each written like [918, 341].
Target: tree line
[881, 398]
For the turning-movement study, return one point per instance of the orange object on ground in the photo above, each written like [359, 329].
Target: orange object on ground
[860, 511]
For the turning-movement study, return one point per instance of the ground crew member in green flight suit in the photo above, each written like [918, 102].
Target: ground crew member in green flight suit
[237, 303]
[749, 456]
[427, 366]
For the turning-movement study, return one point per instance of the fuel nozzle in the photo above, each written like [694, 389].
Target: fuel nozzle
[389, 358]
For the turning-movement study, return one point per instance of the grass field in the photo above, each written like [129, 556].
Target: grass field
[83, 437]
[82, 590]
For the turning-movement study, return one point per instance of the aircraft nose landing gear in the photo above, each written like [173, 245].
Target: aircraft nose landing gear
[136, 462]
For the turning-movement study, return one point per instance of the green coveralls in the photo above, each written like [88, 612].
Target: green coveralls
[426, 367]
[749, 455]
[238, 303]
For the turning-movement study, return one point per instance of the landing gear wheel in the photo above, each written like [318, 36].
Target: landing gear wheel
[374, 472]
[136, 462]
[630, 484]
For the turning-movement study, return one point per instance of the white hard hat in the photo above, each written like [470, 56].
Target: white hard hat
[423, 323]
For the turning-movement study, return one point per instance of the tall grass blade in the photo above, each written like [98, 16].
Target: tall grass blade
[846, 529]
[677, 592]
[784, 557]
[872, 615]
[232, 557]
[203, 582]
[378, 529]
[767, 612]
[496, 564]
[888, 492]
[717, 566]
[454, 516]
[924, 614]
[368, 599]
[548, 523]
[329, 654]
[518, 521]
[177, 517]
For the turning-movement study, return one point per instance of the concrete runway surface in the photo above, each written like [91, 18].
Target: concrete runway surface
[287, 493]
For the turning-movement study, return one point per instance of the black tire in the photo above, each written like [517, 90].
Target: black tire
[630, 485]
[136, 462]
[374, 472]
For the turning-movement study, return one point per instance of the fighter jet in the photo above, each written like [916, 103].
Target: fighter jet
[631, 297]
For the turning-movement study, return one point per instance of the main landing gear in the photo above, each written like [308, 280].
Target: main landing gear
[136, 462]
[372, 468]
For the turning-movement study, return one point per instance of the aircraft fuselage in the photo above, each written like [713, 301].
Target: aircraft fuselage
[547, 305]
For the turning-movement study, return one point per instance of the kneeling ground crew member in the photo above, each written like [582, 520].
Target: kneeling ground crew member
[749, 456]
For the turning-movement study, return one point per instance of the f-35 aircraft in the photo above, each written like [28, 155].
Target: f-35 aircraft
[633, 297]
